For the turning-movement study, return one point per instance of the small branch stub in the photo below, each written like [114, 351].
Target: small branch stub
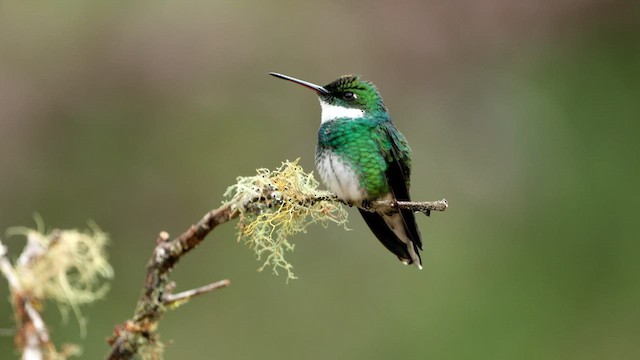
[173, 300]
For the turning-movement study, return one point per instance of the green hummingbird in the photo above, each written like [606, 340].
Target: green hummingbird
[362, 157]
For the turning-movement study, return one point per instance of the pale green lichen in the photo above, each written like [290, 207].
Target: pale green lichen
[275, 205]
[67, 266]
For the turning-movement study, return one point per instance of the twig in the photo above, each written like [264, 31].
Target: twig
[140, 331]
[176, 299]
[424, 207]
[7, 269]
[38, 323]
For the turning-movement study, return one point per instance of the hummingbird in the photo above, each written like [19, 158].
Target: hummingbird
[362, 157]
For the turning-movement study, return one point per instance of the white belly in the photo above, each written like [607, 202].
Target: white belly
[340, 178]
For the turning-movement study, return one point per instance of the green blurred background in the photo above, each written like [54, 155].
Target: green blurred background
[524, 115]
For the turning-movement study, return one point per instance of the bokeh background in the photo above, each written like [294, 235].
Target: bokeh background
[524, 115]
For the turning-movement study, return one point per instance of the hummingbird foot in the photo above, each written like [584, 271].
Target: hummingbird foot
[366, 204]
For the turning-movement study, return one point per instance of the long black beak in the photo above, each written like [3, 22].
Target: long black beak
[316, 88]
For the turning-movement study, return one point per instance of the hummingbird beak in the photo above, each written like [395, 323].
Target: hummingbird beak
[319, 89]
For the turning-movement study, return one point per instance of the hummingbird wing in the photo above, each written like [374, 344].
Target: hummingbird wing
[398, 177]
[384, 225]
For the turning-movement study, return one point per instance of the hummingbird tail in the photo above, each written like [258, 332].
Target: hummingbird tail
[407, 251]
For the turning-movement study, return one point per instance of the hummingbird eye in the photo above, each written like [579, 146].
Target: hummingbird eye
[348, 95]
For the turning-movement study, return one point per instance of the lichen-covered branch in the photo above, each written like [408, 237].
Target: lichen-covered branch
[42, 272]
[271, 207]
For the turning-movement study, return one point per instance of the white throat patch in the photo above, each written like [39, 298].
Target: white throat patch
[332, 112]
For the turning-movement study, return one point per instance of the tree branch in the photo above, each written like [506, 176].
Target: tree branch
[425, 207]
[130, 337]
[140, 330]
[32, 334]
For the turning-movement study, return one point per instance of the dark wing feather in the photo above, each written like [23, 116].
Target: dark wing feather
[386, 236]
[397, 174]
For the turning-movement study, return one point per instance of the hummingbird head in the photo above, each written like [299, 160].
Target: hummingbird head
[346, 97]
